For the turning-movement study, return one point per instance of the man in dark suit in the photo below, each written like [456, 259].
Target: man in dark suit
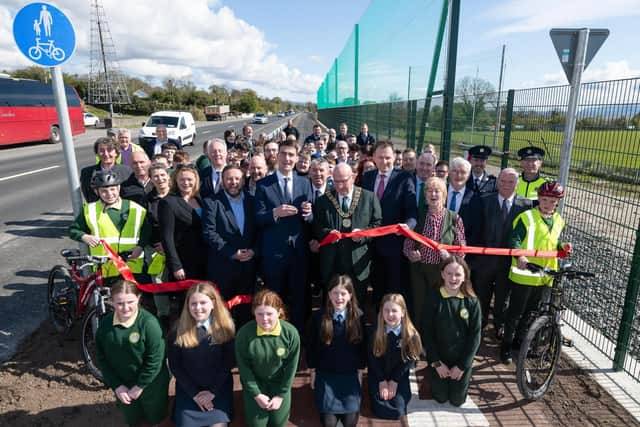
[107, 151]
[283, 206]
[211, 176]
[396, 192]
[480, 181]
[459, 197]
[228, 226]
[346, 208]
[154, 146]
[495, 214]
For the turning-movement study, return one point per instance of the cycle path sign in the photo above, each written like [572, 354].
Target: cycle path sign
[44, 34]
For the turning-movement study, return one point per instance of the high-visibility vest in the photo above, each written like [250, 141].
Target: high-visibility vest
[529, 189]
[157, 264]
[539, 237]
[101, 226]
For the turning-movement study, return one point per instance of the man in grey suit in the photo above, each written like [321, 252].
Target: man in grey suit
[346, 208]
[495, 213]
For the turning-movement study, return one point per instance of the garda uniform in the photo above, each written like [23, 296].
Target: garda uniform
[530, 231]
[487, 182]
[528, 188]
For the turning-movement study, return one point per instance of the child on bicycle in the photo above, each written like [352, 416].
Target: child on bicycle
[336, 355]
[537, 228]
[120, 222]
[130, 355]
[201, 355]
[393, 350]
[452, 328]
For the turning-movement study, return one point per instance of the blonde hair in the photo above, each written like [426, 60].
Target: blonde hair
[185, 168]
[439, 184]
[411, 344]
[125, 287]
[222, 328]
[353, 326]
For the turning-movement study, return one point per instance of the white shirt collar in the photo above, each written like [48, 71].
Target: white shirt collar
[396, 331]
[281, 177]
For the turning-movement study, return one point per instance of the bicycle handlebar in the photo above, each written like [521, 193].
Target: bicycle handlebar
[564, 271]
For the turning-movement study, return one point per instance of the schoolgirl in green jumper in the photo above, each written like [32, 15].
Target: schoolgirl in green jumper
[336, 355]
[130, 354]
[394, 349]
[452, 333]
[201, 355]
[267, 351]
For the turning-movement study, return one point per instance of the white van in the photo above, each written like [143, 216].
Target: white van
[180, 127]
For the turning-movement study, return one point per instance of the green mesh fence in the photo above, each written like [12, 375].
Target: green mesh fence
[389, 55]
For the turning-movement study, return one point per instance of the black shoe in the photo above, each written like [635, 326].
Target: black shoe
[498, 332]
[505, 356]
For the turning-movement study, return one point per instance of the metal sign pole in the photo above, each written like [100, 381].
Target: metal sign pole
[570, 121]
[67, 140]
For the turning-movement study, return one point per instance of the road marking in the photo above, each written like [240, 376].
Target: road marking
[207, 131]
[6, 178]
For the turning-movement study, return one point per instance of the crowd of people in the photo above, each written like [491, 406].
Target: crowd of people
[249, 214]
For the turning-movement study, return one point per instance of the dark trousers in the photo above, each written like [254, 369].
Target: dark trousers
[524, 300]
[286, 274]
[390, 275]
[239, 279]
[490, 275]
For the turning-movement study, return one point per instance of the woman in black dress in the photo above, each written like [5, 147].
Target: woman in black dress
[179, 215]
[201, 355]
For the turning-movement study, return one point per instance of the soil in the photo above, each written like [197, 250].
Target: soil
[46, 385]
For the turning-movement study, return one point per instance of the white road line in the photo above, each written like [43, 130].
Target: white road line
[6, 178]
[207, 131]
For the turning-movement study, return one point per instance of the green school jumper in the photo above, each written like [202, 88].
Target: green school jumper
[135, 356]
[451, 336]
[267, 365]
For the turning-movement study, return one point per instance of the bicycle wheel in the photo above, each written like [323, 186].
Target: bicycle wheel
[57, 54]
[61, 298]
[35, 53]
[88, 339]
[539, 354]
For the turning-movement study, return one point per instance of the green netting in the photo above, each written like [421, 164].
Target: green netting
[388, 56]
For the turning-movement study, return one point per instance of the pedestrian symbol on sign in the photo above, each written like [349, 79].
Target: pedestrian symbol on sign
[44, 34]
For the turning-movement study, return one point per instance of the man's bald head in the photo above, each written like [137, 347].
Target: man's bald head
[343, 179]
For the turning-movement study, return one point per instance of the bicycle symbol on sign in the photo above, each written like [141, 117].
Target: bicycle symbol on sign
[55, 53]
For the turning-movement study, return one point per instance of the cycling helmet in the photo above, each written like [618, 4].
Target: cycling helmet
[104, 179]
[551, 189]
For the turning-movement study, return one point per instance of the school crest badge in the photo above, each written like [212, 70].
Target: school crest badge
[464, 313]
[280, 351]
[134, 337]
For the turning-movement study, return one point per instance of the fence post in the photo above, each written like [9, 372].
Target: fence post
[507, 129]
[629, 309]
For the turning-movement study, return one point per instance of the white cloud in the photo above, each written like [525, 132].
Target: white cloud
[315, 58]
[611, 71]
[200, 40]
[533, 15]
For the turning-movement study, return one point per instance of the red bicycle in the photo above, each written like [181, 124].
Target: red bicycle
[72, 296]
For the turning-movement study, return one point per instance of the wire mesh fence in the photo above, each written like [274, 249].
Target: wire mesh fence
[602, 206]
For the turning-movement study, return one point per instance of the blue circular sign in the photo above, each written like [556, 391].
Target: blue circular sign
[44, 34]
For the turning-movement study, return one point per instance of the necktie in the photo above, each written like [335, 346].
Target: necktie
[287, 191]
[380, 190]
[421, 202]
[452, 204]
[504, 210]
[339, 318]
[316, 195]
[345, 204]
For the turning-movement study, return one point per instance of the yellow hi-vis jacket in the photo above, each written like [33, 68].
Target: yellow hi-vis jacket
[101, 226]
[538, 237]
[529, 189]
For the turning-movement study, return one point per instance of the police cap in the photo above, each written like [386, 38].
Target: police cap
[480, 152]
[531, 153]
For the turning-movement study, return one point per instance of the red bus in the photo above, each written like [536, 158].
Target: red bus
[28, 112]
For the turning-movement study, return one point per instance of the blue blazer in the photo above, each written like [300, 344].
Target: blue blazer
[398, 205]
[222, 235]
[206, 185]
[276, 236]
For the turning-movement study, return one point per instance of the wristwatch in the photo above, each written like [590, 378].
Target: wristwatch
[436, 364]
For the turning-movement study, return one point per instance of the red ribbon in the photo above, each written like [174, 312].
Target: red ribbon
[180, 285]
[407, 232]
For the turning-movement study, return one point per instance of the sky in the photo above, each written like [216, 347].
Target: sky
[284, 47]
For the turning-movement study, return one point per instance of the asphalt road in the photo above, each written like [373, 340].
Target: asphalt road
[35, 212]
